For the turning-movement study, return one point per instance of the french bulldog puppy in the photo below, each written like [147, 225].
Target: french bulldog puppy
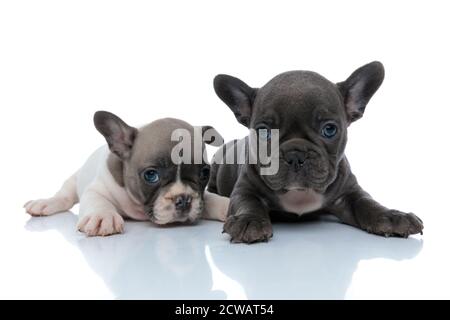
[312, 115]
[136, 178]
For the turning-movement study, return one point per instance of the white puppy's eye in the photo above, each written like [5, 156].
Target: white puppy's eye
[151, 176]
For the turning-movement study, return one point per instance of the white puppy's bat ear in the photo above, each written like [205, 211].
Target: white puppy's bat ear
[237, 95]
[360, 87]
[119, 136]
[212, 136]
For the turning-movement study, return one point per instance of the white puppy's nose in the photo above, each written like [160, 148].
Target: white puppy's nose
[183, 202]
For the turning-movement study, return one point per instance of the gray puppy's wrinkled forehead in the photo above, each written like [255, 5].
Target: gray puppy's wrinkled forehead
[153, 140]
[299, 89]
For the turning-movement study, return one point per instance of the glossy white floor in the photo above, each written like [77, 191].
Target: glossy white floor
[46, 258]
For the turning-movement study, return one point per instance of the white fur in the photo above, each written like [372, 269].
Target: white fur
[103, 203]
[216, 207]
[301, 201]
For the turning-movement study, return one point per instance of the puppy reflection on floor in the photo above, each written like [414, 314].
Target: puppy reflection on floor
[165, 263]
[309, 260]
[136, 178]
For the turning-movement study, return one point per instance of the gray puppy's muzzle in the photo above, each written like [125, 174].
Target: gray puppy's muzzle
[302, 165]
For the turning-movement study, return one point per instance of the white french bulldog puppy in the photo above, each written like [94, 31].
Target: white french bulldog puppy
[136, 178]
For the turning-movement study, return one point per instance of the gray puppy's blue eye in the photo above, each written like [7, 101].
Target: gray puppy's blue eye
[263, 132]
[151, 176]
[329, 130]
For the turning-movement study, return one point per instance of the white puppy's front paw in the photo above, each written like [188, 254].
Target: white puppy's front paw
[46, 207]
[101, 224]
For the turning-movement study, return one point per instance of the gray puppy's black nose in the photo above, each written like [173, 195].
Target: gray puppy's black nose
[295, 159]
[183, 202]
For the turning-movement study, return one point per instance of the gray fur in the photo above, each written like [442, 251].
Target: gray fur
[299, 104]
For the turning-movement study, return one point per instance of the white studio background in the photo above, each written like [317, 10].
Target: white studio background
[60, 61]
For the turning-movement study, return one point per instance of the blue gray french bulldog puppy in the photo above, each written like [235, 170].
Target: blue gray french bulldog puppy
[312, 115]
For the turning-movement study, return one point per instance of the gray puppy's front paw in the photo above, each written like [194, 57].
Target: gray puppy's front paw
[248, 228]
[396, 223]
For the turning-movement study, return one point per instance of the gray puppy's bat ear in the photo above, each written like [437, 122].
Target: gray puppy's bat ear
[211, 136]
[237, 95]
[119, 136]
[360, 87]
